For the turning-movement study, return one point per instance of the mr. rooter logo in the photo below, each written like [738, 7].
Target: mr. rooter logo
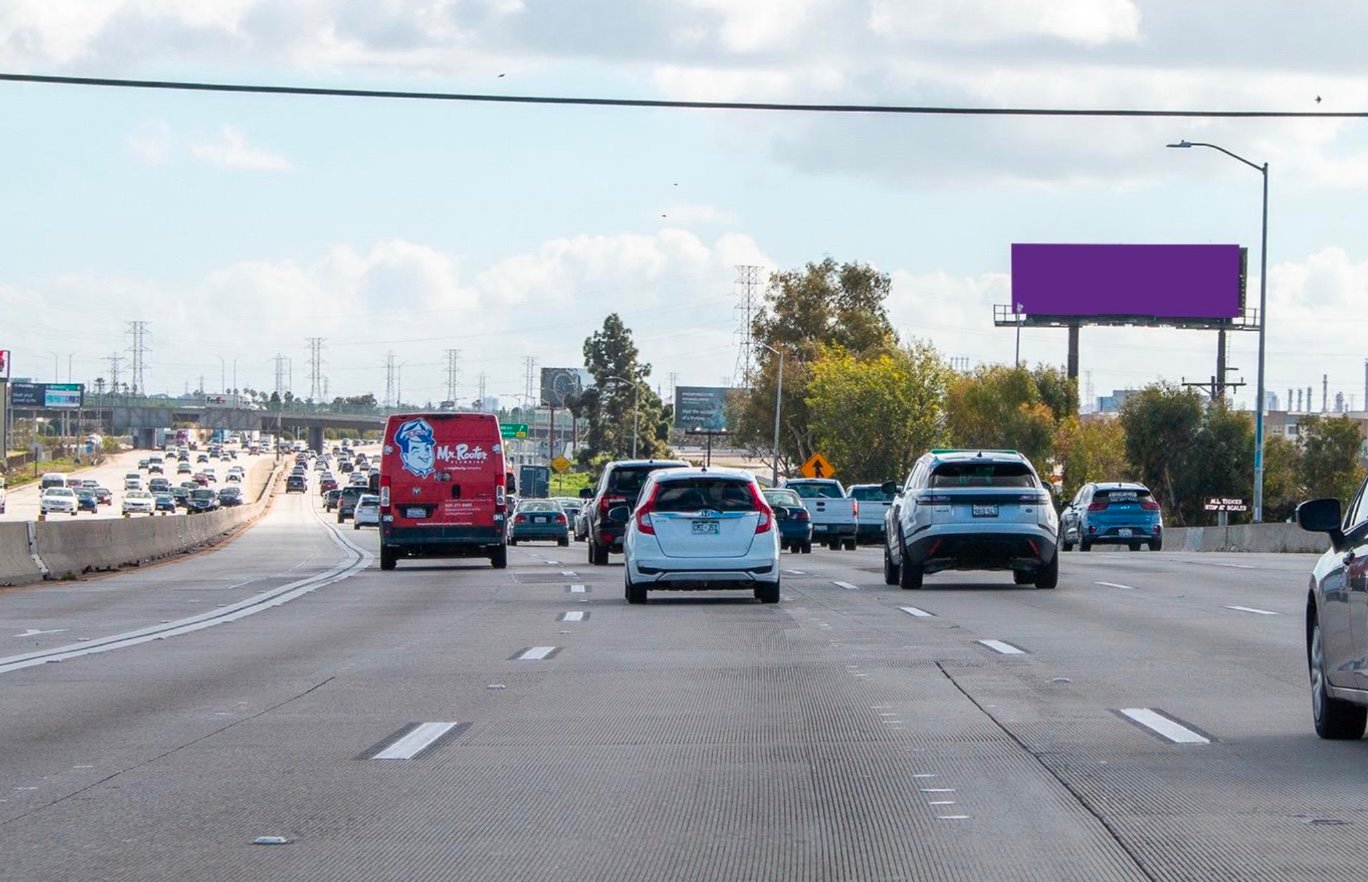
[420, 453]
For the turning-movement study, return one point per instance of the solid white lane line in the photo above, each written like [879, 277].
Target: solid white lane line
[941, 802]
[573, 616]
[415, 742]
[536, 653]
[847, 586]
[1234, 566]
[1004, 648]
[1166, 728]
[1250, 609]
[919, 613]
[1115, 585]
[952, 817]
[34, 632]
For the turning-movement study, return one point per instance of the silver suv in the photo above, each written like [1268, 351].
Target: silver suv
[971, 510]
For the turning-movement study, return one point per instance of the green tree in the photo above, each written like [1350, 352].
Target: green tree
[1222, 463]
[1000, 407]
[873, 417]
[808, 310]
[1090, 450]
[1330, 463]
[1161, 424]
[1058, 391]
[619, 393]
[1282, 482]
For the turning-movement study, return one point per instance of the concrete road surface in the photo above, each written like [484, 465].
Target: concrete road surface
[1149, 719]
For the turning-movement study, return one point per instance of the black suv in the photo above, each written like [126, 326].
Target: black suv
[618, 485]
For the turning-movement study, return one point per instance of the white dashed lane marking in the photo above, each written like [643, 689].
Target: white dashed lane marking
[1250, 609]
[415, 742]
[578, 589]
[919, 613]
[1115, 585]
[1163, 726]
[1003, 647]
[847, 586]
[536, 653]
[574, 616]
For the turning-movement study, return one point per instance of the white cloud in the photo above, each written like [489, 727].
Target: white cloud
[151, 143]
[231, 150]
[1090, 22]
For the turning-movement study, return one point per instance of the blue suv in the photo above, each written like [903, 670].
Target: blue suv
[1115, 513]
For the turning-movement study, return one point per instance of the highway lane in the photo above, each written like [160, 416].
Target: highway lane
[992, 732]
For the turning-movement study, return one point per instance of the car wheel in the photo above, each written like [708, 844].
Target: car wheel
[1134, 546]
[632, 592]
[1084, 545]
[355, 525]
[1048, 575]
[850, 545]
[807, 547]
[767, 593]
[834, 544]
[890, 569]
[1335, 718]
[598, 556]
[1154, 545]
[1022, 577]
[563, 543]
[498, 559]
[909, 576]
[388, 558]
[513, 542]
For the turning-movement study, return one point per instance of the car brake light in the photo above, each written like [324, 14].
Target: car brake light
[1149, 505]
[385, 496]
[560, 519]
[801, 515]
[520, 519]
[1097, 506]
[643, 514]
[766, 522]
[855, 507]
[933, 499]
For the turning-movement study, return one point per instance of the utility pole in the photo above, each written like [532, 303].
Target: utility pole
[138, 331]
[114, 361]
[1214, 388]
[316, 369]
[748, 279]
[453, 370]
[484, 382]
[1325, 392]
[280, 376]
[674, 381]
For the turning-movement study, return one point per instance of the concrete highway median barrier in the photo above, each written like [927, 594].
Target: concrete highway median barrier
[70, 548]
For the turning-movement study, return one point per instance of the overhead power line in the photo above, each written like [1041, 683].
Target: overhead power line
[480, 98]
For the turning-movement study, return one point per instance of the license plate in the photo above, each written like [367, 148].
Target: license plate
[985, 511]
[819, 528]
[416, 513]
[1124, 531]
[539, 520]
[705, 528]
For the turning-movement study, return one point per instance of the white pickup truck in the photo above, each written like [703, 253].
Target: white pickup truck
[873, 504]
[834, 516]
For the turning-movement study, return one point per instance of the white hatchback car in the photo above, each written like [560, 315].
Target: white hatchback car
[700, 529]
[58, 499]
[367, 511]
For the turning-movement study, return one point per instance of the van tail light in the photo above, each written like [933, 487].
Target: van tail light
[1149, 505]
[1097, 506]
[384, 496]
[500, 498]
[643, 514]
[766, 522]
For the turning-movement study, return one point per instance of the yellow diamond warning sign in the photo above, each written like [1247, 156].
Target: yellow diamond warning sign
[818, 467]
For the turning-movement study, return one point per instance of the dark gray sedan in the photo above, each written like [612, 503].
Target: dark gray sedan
[538, 520]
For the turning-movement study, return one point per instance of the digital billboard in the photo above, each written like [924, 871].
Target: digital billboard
[557, 384]
[701, 408]
[68, 396]
[1163, 282]
[26, 395]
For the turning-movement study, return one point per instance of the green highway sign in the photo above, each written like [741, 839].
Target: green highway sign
[513, 430]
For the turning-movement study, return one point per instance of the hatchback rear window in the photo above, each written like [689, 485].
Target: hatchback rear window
[1127, 494]
[982, 474]
[696, 494]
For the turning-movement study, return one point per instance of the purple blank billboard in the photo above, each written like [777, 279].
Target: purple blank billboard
[1159, 281]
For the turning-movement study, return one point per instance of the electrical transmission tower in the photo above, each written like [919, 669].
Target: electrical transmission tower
[138, 331]
[316, 392]
[280, 376]
[748, 281]
[389, 379]
[531, 365]
[484, 383]
[674, 381]
[114, 361]
[453, 371]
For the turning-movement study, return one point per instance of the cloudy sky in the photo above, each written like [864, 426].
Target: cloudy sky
[239, 226]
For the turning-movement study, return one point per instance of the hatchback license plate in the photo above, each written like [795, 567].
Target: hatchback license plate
[985, 511]
[705, 528]
[1124, 531]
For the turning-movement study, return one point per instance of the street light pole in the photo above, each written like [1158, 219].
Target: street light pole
[778, 403]
[1263, 325]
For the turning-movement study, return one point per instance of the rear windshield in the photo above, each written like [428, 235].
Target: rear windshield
[870, 494]
[785, 498]
[696, 494]
[202, 494]
[538, 506]
[1120, 494]
[817, 491]
[628, 481]
[982, 474]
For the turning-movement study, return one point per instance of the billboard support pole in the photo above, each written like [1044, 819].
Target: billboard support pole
[1220, 385]
[1073, 349]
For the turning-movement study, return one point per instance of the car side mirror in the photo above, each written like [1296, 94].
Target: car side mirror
[619, 514]
[586, 493]
[889, 487]
[782, 512]
[1322, 516]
